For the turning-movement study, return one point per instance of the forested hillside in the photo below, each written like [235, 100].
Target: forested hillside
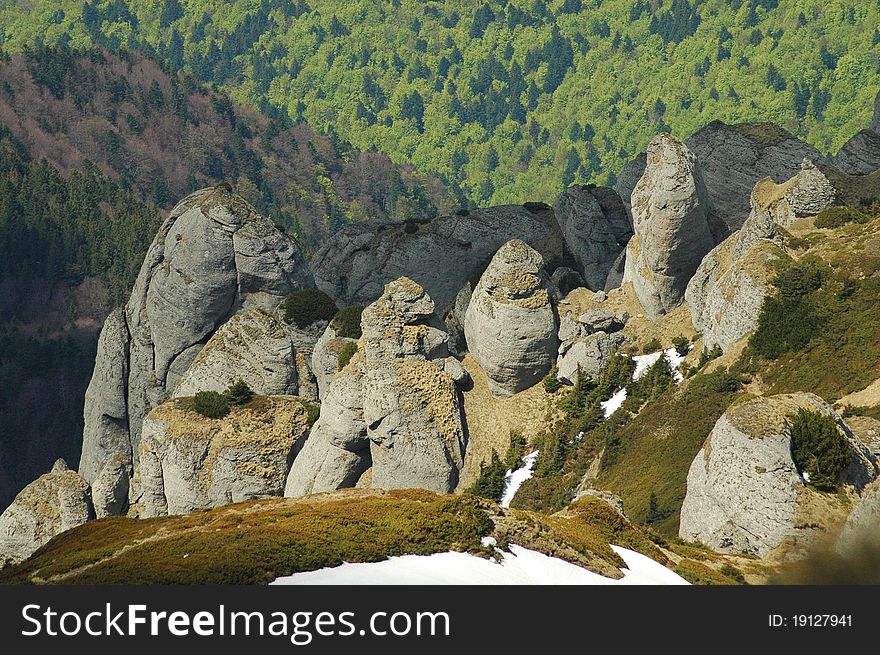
[509, 100]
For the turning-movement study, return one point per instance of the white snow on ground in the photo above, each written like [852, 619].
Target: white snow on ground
[644, 362]
[613, 404]
[513, 479]
[519, 566]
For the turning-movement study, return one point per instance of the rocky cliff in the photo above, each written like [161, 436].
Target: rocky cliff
[213, 256]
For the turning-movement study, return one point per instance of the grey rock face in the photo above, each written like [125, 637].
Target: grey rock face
[596, 227]
[325, 358]
[590, 354]
[732, 159]
[629, 176]
[510, 325]
[111, 486]
[670, 210]
[251, 346]
[213, 256]
[744, 493]
[394, 407]
[354, 265]
[861, 154]
[337, 451]
[808, 193]
[726, 293]
[190, 462]
[412, 407]
[51, 504]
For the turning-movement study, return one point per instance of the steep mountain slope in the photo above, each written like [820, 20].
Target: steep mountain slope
[511, 99]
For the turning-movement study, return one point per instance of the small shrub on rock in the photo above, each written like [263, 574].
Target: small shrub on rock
[239, 393]
[304, 307]
[818, 449]
[210, 404]
[347, 322]
[344, 357]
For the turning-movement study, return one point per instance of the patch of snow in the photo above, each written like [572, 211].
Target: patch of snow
[644, 362]
[519, 566]
[488, 542]
[513, 479]
[805, 476]
[613, 404]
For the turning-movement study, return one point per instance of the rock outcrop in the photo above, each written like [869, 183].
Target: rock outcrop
[189, 462]
[325, 357]
[805, 194]
[726, 293]
[51, 504]
[671, 218]
[251, 346]
[213, 256]
[732, 159]
[588, 343]
[861, 154]
[394, 408]
[354, 265]
[510, 324]
[744, 492]
[596, 228]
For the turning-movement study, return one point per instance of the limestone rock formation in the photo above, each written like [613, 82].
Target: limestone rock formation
[732, 158]
[510, 325]
[394, 408]
[596, 228]
[671, 218]
[189, 462]
[354, 265]
[325, 357]
[726, 293]
[54, 502]
[111, 486]
[213, 256]
[588, 343]
[861, 154]
[744, 493]
[252, 346]
[805, 194]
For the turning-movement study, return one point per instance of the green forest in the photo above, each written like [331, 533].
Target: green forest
[505, 101]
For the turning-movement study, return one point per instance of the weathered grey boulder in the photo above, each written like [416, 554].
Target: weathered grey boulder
[727, 291]
[511, 325]
[394, 408]
[744, 493]
[590, 354]
[189, 462]
[861, 154]
[412, 407]
[670, 211]
[111, 486]
[806, 194]
[596, 228]
[355, 264]
[732, 158]
[251, 346]
[213, 256]
[51, 504]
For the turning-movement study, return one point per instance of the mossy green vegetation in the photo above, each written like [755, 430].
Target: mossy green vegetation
[260, 540]
[835, 216]
[347, 322]
[344, 357]
[210, 404]
[306, 306]
[239, 393]
[819, 450]
[490, 483]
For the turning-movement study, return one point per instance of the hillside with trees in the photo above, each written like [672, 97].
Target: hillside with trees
[507, 100]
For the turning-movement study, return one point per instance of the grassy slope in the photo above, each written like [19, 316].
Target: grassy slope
[262, 540]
